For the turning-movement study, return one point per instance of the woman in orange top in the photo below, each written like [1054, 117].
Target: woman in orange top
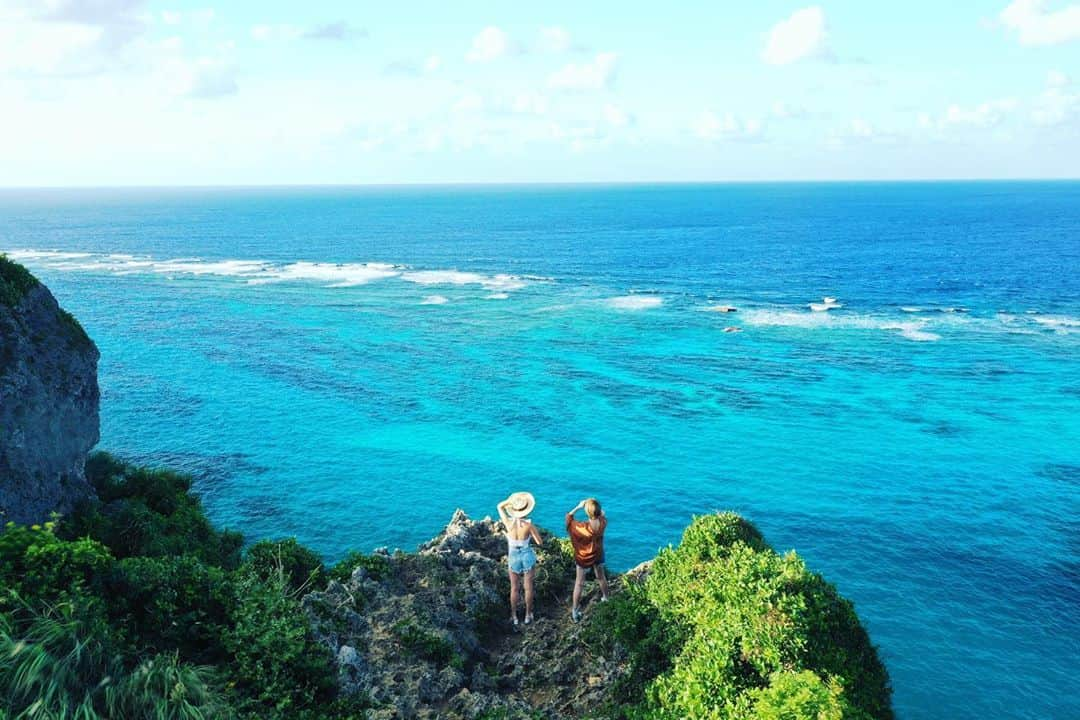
[587, 537]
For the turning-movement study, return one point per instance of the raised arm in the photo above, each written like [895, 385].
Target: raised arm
[502, 513]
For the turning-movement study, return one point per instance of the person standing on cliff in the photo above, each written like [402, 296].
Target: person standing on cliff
[587, 537]
[520, 557]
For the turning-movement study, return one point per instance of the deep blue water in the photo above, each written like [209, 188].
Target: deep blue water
[919, 445]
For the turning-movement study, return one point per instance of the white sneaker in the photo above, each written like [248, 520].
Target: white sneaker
[575, 615]
[514, 620]
[528, 619]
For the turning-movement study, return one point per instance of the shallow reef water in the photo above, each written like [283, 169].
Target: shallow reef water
[350, 365]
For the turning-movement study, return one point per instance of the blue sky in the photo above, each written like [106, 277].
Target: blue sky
[124, 92]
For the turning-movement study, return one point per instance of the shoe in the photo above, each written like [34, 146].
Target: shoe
[604, 598]
[514, 620]
[528, 619]
[575, 615]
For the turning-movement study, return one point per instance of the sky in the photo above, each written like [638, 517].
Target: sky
[134, 92]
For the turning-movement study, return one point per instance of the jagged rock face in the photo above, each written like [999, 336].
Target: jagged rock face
[48, 401]
[430, 637]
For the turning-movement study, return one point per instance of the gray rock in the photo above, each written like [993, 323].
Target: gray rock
[48, 405]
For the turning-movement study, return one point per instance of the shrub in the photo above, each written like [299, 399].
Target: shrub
[40, 567]
[377, 566]
[426, 643]
[276, 665]
[299, 567]
[173, 604]
[797, 696]
[630, 621]
[15, 281]
[763, 634]
[60, 663]
[143, 512]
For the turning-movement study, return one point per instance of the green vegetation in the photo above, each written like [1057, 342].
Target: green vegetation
[377, 566]
[427, 643]
[725, 628]
[135, 606]
[15, 282]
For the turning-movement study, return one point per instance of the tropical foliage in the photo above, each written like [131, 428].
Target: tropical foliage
[135, 606]
[726, 628]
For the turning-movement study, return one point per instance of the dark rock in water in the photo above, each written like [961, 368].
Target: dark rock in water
[430, 637]
[48, 400]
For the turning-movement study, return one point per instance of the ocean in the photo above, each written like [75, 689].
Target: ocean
[349, 365]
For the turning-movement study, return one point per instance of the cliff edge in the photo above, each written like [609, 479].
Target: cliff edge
[48, 400]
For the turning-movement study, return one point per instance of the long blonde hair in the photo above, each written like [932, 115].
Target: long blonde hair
[592, 508]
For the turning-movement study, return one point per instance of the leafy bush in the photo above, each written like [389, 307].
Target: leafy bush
[275, 663]
[149, 513]
[427, 643]
[792, 695]
[60, 663]
[38, 566]
[629, 620]
[764, 637]
[15, 281]
[177, 603]
[299, 567]
[377, 566]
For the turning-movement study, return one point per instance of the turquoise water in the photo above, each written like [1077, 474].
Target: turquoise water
[350, 365]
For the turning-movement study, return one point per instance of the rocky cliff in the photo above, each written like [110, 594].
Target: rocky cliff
[48, 400]
[426, 634]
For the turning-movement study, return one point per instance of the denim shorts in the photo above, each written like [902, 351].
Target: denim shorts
[521, 560]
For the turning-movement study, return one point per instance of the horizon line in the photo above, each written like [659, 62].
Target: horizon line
[545, 183]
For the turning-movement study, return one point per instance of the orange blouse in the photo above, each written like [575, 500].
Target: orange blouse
[588, 543]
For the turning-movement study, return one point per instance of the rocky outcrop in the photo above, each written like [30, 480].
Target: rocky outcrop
[427, 635]
[48, 400]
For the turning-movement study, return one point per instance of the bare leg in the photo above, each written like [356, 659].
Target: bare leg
[579, 583]
[601, 575]
[529, 593]
[514, 581]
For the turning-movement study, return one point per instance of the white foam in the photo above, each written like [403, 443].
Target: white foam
[435, 300]
[337, 275]
[720, 308]
[826, 304]
[456, 277]
[912, 330]
[497, 296]
[635, 302]
[1058, 323]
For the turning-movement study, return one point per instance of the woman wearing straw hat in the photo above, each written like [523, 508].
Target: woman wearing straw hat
[514, 512]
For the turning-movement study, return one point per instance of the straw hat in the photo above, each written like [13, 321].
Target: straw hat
[520, 504]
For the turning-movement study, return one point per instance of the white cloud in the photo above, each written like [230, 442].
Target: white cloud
[985, 115]
[861, 129]
[617, 117]
[433, 63]
[489, 44]
[209, 78]
[580, 139]
[171, 17]
[66, 37]
[1035, 25]
[338, 30]
[469, 102]
[529, 103]
[800, 37]
[1057, 79]
[596, 75]
[709, 126]
[554, 39]
[1057, 103]
[785, 111]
